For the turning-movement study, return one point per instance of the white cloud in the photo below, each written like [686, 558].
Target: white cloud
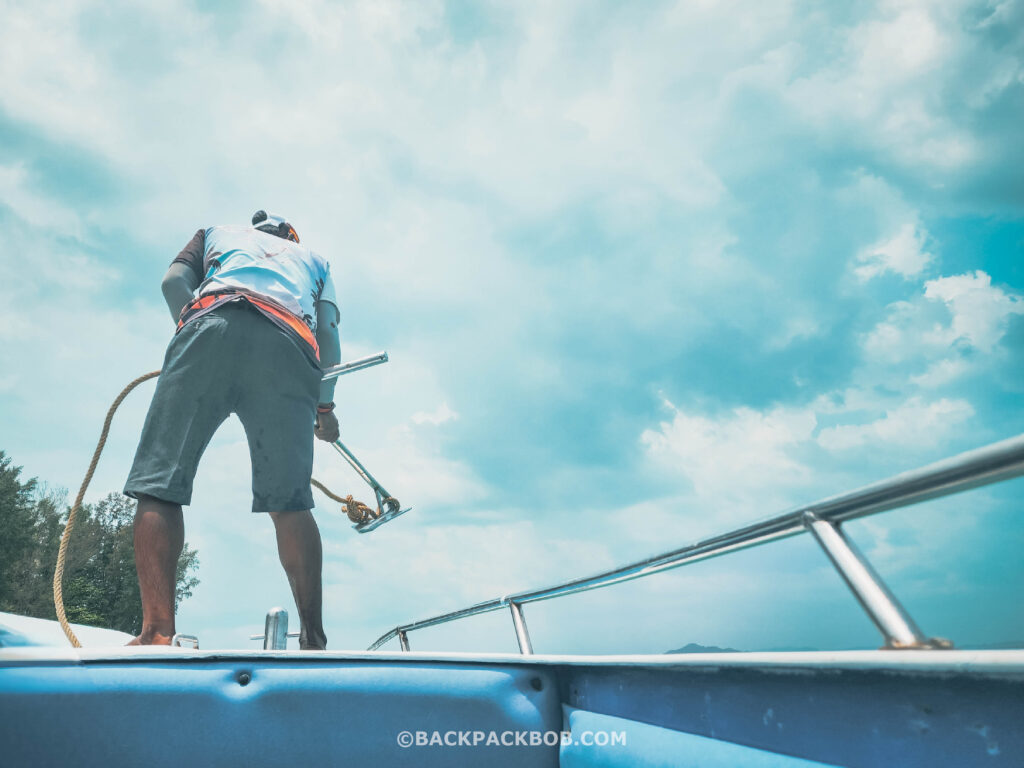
[743, 463]
[900, 46]
[458, 564]
[55, 79]
[913, 423]
[37, 210]
[56, 238]
[941, 372]
[900, 84]
[979, 310]
[438, 416]
[903, 253]
[953, 314]
[748, 463]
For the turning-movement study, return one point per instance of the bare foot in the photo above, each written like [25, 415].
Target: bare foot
[153, 638]
[314, 640]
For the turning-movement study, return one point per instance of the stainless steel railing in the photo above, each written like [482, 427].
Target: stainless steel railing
[983, 466]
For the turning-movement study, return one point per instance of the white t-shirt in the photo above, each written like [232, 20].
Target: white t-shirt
[249, 261]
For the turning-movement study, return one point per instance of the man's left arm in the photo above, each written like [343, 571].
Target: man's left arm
[329, 341]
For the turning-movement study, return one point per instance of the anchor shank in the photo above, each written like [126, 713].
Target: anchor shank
[358, 467]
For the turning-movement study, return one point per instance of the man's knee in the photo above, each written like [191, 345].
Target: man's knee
[150, 510]
[145, 500]
[290, 516]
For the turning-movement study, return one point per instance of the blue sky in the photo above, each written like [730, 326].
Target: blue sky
[645, 272]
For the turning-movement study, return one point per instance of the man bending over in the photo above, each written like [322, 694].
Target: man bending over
[257, 318]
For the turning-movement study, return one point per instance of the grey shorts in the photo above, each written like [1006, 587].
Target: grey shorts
[231, 360]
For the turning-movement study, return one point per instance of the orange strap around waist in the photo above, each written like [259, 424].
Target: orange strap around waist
[285, 317]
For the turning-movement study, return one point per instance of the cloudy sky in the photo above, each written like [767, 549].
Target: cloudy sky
[645, 272]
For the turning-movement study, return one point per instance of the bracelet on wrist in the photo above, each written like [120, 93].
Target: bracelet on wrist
[325, 407]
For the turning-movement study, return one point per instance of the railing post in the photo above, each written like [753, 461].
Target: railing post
[275, 630]
[403, 639]
[522, 636]
[895, 624]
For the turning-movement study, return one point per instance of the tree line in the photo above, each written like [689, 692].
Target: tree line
[100, 585]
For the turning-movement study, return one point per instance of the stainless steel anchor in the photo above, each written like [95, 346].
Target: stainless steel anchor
[388, 507]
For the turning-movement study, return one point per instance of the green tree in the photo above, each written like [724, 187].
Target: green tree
[31, 528]
[100, 584]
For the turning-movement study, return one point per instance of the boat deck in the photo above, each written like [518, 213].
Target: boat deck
[145, 706]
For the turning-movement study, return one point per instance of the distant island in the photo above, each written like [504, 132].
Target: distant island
[695, 648]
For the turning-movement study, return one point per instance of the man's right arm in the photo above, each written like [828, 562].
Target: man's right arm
[330, 354]
[184, 275]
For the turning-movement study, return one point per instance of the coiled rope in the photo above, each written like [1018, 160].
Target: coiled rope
[357, 511]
